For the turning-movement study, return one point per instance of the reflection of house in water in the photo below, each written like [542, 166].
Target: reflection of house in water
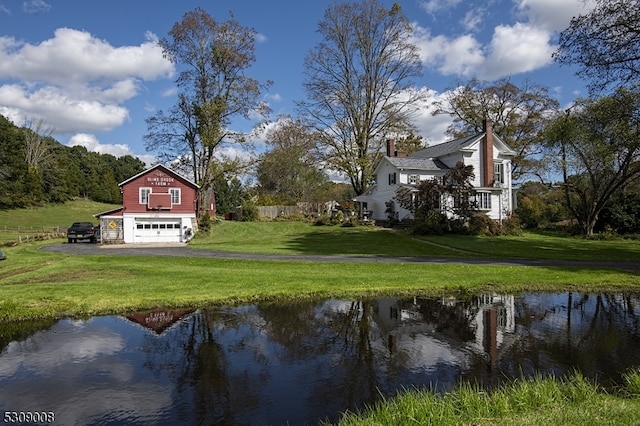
[494, 318]
[480, 324]
[158, 321]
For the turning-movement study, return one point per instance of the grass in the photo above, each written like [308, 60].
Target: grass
[303, 238]
[538, 401]
[543, 246]
[31, 221]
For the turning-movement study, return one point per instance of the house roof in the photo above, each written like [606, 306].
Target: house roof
[428, 159]
[165, 169]
[109, 212]
[447, 148]
[417, 163]
[461, 144]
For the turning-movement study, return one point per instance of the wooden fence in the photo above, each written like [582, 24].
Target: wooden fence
[14, 235]
[272, 212]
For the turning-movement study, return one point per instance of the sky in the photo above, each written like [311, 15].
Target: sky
[93, 71]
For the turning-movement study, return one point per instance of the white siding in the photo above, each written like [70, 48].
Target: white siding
[501, 197]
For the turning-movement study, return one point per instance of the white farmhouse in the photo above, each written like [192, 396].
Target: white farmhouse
[489, 156]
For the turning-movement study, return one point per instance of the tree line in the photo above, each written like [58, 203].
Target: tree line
[36, 169]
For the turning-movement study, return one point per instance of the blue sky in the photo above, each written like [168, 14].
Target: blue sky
[92, 70]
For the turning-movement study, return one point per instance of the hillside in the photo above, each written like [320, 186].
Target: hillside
[52, 218]
[36, 169]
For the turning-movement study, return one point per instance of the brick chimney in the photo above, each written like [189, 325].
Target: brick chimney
[391, 148]
[486, 151]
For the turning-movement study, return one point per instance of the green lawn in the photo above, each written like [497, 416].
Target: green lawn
[304, 238]
[53, 218]
[543, 246]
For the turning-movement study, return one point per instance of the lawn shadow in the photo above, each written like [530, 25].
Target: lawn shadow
[364, 242]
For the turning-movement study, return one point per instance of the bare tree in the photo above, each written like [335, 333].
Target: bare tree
[518, 113]
[37, 150]
[358, 83]
[215, 90]
[605, 44]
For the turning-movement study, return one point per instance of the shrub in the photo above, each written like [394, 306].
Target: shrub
[351, 222]
[429, 222]
[250, 212]
[512, 226]
[483, 225]
[204, 224]
[323, 220]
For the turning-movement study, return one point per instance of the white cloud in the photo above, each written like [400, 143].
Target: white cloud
[91, 143]
[432, 128]
[275, 97]
[77, 83]
[450, 56]
[517, 49]
[433, 6]
[64, 113]
[35, 6]
[473, 19]
[552, 15]
[76, 57]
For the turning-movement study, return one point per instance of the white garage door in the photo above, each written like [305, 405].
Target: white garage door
[157, 231]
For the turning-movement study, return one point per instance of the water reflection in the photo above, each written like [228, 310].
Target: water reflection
[302, 362]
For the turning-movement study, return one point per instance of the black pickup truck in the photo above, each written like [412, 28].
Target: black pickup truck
[82, 231]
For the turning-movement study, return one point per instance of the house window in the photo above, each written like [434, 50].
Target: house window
[144, 195]
[414, 179]
[457, 201]
[437, 202]
[484, 200]
[498, 173]
[175, 195]
[392, 178]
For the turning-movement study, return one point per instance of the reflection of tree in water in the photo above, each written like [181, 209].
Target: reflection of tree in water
[20, 331]
[592, 333]
[337, 339]
[191, 356]
[450, 319]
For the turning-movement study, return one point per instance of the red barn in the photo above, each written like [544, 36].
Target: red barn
[158, 206]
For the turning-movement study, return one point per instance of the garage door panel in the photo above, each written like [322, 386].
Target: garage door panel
[157, 231]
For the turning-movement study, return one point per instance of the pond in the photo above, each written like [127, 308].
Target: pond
[304, 362]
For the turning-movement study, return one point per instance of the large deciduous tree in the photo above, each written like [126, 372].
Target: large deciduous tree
[518, 113]
[605, 44]
[596, 145]
[358, 84]
[289, 172]
[214, 57]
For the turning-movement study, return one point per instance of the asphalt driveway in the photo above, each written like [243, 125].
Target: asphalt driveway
[183, 250]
